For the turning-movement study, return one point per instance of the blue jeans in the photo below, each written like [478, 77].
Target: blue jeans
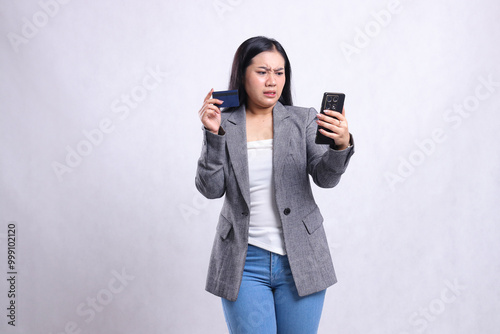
[268, 302]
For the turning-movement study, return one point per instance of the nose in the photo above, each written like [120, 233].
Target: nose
[271, 80]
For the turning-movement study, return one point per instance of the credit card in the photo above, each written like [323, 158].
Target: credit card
[229, 98]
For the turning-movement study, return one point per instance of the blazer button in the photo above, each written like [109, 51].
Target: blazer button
[286, 211]
[244, 213]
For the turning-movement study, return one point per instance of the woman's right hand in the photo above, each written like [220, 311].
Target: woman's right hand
[210, 113]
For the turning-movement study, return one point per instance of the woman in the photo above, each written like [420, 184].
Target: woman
[270, 260]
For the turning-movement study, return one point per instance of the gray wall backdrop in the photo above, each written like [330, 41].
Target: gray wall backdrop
[100, 137]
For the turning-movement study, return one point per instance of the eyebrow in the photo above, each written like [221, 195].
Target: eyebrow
[268, 69]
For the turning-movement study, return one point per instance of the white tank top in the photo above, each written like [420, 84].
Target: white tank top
[265, 224]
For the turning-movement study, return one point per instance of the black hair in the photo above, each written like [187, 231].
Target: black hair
[242, 59]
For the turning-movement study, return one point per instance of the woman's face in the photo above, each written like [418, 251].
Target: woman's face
[265, 79]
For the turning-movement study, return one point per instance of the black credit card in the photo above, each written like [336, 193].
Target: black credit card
[229, 98]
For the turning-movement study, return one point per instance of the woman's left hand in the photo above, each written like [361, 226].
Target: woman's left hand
[337, 123]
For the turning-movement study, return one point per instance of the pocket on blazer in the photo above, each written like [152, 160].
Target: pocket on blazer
[313, 220]
[224, 227]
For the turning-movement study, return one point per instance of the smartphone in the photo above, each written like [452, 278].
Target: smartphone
[331, 101]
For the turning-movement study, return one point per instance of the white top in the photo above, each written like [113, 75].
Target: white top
[265, 224]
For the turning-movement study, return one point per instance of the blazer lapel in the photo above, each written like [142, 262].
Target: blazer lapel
[236, 133]
[235, 128]
[281, 137]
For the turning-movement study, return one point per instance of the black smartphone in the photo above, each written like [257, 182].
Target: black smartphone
[331, 101]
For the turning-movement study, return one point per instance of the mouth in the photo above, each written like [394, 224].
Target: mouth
[270, 93]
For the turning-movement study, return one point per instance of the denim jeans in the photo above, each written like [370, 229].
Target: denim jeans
[268, 302]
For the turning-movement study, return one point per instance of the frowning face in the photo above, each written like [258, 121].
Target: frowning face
[264, 80]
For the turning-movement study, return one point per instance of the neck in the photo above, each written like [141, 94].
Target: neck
[258, 111]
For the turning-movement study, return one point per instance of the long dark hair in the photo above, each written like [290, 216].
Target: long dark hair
[242, 59]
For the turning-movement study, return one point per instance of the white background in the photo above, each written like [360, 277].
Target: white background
[413, 225]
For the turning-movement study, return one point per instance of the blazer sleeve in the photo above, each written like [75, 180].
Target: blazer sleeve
[210, 176]
[325, 164]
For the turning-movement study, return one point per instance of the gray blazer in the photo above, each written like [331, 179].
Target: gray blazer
[223, 169]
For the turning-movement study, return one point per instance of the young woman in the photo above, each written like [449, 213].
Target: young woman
[270, 260]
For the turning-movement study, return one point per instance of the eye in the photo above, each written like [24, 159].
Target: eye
[280, 73]
[261, 72]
